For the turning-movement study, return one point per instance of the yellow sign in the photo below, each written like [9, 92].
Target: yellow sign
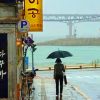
[34, 15]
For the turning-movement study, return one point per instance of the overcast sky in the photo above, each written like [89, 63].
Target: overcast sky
[53, 30]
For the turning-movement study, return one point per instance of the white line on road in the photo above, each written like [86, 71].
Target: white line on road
[81, 92]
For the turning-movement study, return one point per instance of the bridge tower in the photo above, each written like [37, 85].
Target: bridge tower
[70, 24]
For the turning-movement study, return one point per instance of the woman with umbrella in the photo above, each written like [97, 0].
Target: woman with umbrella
[59, 69]
[58, 76]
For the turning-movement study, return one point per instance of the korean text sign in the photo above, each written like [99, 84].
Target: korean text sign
[3, 66]
[33, 14]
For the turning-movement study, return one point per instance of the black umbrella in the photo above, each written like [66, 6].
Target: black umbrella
[59, 54]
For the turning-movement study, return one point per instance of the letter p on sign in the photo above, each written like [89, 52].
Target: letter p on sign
[23, 23]
[23, 26]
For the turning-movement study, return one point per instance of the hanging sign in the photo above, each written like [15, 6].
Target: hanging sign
[33, 14]
[3, 66]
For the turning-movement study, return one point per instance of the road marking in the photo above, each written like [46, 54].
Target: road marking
[90, 77]
[43, 91]
[78, 90]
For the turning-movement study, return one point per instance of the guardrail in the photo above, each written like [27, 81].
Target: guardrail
[71, 67]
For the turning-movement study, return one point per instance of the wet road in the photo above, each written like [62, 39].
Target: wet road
[82, 85]
[45, 90]
[86, 80]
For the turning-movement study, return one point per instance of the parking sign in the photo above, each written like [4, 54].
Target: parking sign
[23, 26]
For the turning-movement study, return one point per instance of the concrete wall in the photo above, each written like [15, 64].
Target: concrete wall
[9, 27]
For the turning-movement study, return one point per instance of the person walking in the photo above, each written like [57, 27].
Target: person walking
[58, 76]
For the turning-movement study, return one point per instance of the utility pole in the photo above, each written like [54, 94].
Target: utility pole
[33, 49]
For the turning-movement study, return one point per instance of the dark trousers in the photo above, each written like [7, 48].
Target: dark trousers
[59, 81]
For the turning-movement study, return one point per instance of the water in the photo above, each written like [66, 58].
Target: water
[81, 55]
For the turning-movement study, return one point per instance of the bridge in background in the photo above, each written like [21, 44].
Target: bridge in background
[70, 19]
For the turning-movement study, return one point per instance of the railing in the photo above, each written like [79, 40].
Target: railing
[72, 67]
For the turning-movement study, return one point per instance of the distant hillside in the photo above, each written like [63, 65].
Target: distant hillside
[73, 42]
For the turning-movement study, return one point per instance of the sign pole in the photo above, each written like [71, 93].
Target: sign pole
[32, 59]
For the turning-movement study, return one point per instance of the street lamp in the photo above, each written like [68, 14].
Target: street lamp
[18, 42]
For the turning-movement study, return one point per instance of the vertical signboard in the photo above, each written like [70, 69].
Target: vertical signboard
[26, 62]
[3, 66]
[33, 14]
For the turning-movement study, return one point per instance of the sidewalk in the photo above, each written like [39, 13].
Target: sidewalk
[45, 90]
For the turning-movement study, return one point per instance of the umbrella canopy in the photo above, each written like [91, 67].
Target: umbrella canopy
[59, 54]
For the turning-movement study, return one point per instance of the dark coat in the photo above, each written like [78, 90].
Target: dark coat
[58, 69]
